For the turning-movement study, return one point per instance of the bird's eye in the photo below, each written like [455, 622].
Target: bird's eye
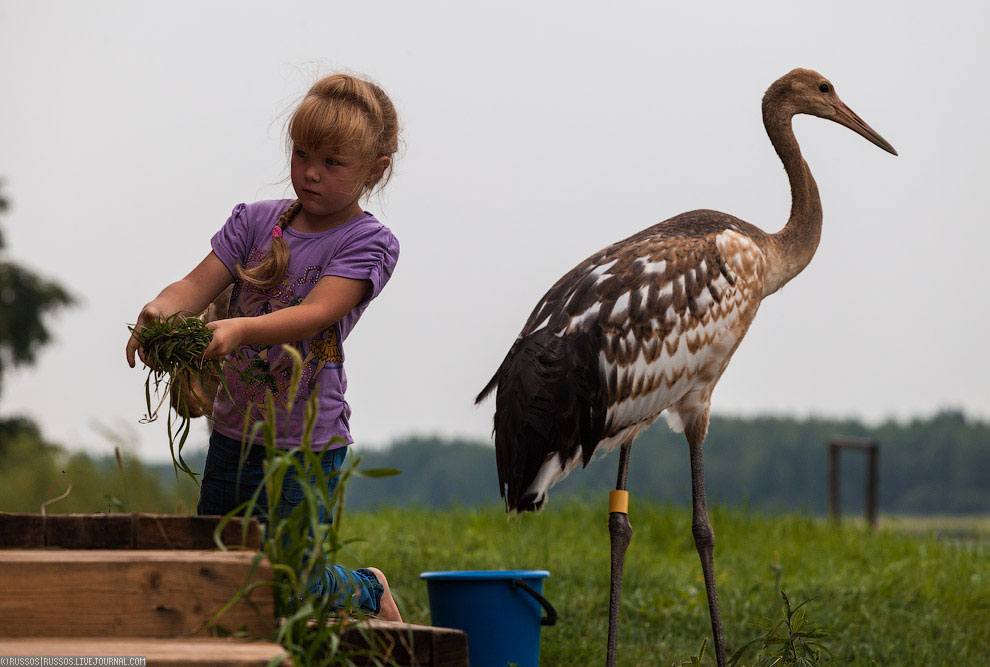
[823, 87]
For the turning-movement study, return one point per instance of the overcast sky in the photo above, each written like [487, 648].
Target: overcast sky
[535, 133]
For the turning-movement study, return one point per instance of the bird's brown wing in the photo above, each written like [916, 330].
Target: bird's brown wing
[674, 326]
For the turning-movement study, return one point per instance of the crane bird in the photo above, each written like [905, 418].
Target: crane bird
[648, 325]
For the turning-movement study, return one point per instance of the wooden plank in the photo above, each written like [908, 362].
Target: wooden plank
[122, 531]
[165, 531]
[202, 652]
[396, 641]
[21, 531]
[406, 644]
[854, 443]
[213, 651]
[450, 648]
[217, 652]
[88, 531]
[129, 593]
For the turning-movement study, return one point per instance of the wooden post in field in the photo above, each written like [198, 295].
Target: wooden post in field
[872, 449]
[833, 482]
[872, 474]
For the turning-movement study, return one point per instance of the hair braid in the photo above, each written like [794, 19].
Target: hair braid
[270, 272]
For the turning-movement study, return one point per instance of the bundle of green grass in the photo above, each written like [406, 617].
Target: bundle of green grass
[173, 351]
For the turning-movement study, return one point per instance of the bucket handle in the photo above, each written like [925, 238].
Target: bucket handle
[551, 617]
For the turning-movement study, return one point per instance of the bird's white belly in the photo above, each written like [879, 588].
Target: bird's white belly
[626, 419]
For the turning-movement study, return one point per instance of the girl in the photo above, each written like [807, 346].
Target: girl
[303, 272]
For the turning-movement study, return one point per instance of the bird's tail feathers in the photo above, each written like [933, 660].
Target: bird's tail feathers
[549, 414]
[489, 388]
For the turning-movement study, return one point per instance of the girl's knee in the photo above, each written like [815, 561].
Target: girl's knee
[379, 575]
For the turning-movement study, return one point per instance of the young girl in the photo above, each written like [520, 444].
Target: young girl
[303, 272]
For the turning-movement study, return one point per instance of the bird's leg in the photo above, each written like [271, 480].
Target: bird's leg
[704, 540]
[620, 533]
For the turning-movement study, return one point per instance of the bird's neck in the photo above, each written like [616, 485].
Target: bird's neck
[791, 249]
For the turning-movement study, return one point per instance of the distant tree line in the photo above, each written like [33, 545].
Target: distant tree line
[938, 465]
[927, 466]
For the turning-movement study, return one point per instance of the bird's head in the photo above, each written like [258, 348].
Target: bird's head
[808, 92]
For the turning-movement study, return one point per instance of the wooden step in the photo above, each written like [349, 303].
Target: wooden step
[159, 652]
[138, 530]
[129, 593]
[405, 644]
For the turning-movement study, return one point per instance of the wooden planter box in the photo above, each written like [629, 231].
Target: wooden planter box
[145, 584]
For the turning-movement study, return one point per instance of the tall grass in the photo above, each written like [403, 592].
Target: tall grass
[300, 544]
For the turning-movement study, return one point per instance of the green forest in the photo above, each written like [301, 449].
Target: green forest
[938, 465]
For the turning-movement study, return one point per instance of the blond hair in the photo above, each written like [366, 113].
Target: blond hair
[341, 114]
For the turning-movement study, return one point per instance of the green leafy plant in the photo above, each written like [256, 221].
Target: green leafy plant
[173, 351]
[791, 640]
[694, 660]
[300, 545]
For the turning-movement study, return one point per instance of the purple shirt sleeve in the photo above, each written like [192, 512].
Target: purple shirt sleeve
[368, 254]
[233, 242]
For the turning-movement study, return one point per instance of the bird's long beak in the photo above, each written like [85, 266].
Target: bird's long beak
[845, 116]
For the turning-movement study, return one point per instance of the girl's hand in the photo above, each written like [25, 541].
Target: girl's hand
[190, 295]
[227, 336]
[149, 313]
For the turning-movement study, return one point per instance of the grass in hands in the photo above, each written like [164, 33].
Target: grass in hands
[173, 351]
[301, 543]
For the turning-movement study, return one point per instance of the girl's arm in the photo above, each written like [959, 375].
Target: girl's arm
[331, 299]
[192, 294]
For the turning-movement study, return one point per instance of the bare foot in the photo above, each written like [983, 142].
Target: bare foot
[389, 610]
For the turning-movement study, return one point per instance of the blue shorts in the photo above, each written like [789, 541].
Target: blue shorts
[220, 493]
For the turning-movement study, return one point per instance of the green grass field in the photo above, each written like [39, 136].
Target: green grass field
[902, 596]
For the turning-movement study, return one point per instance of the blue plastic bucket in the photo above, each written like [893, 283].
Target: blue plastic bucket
[500, 610]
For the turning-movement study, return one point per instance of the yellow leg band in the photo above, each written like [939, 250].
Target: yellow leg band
[618, 501]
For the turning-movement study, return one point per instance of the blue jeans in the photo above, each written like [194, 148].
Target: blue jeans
[220, 493]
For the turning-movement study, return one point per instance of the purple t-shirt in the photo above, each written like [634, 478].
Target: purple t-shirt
[361, 248]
